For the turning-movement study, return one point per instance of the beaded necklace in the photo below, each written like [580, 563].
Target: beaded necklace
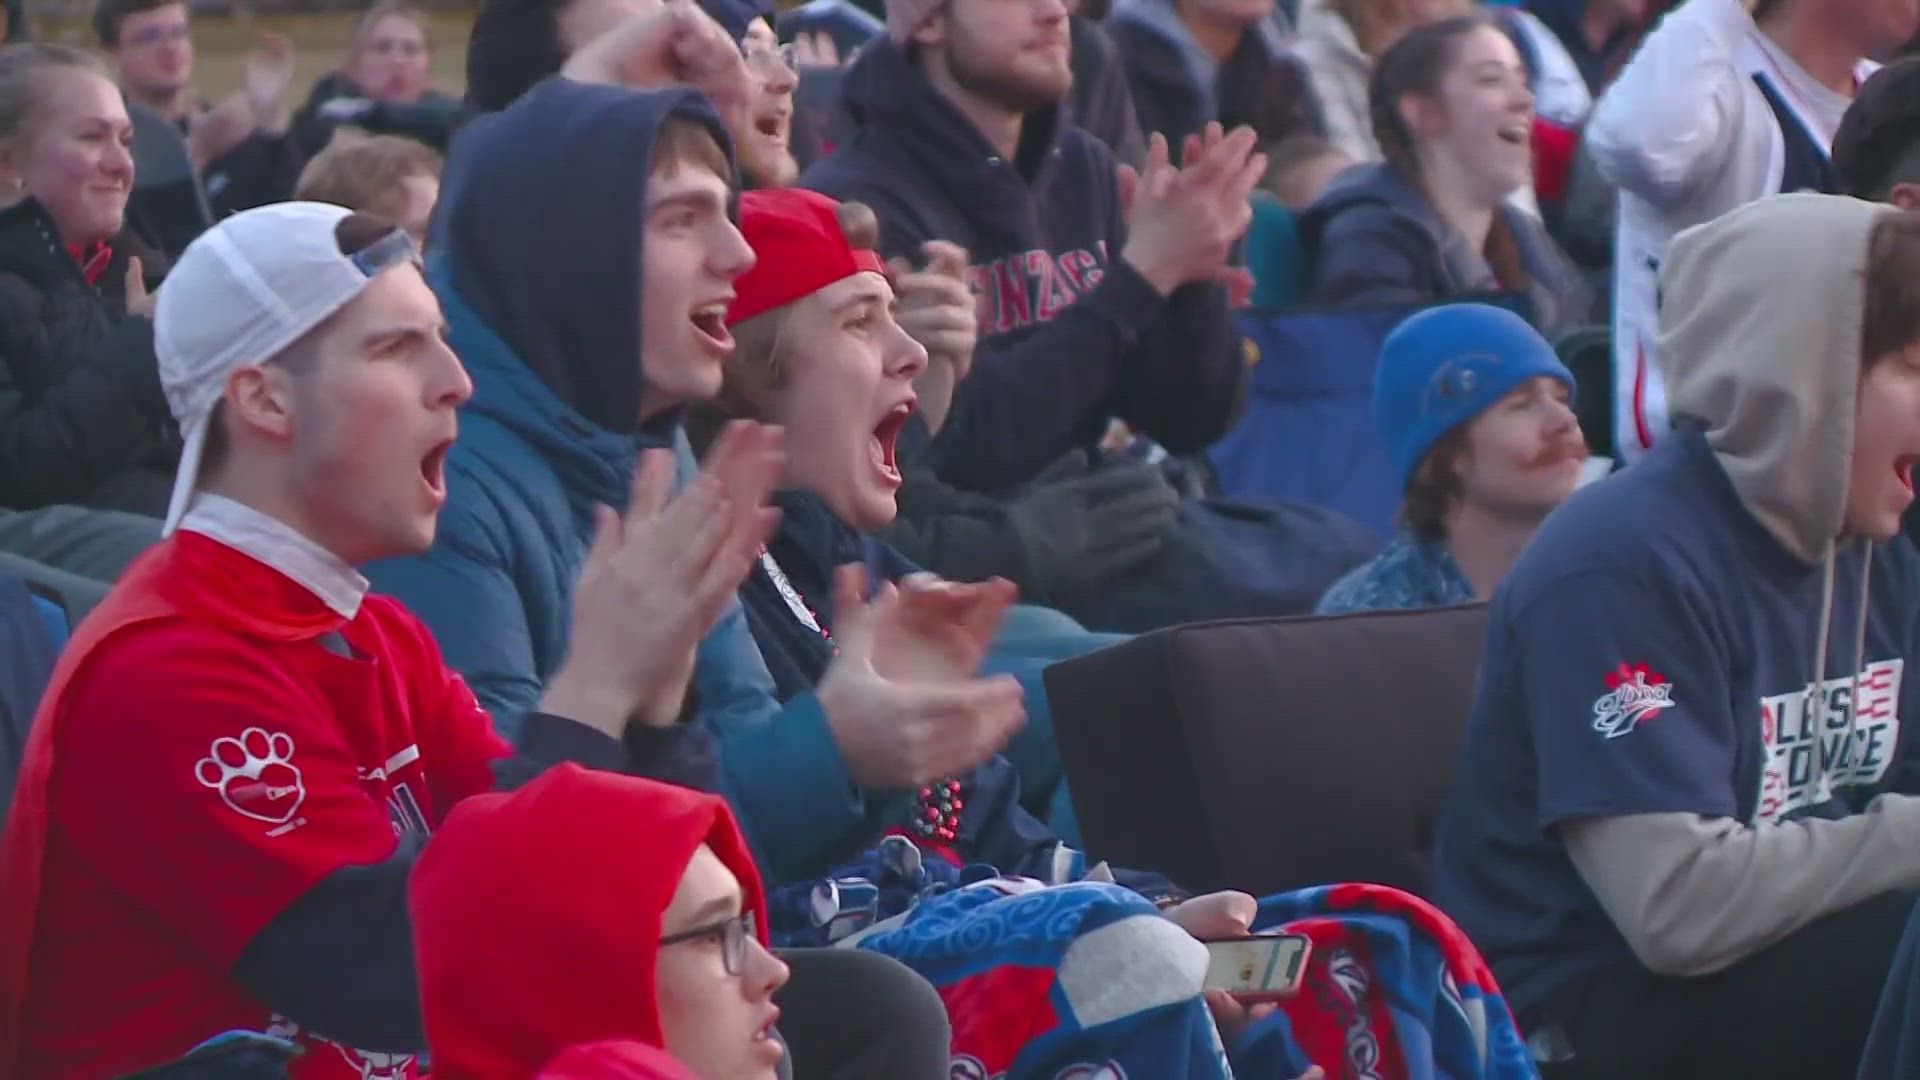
[938, 818]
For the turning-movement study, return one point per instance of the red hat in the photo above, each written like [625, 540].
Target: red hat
[799, 249]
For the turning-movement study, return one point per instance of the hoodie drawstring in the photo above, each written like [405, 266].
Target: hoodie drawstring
[1819, 789]
[1859, 652]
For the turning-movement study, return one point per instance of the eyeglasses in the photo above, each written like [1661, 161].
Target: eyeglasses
[787, 55]
[148, 36]
[732, 934]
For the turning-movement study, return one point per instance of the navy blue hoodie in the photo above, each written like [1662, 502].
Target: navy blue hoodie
[1070, 334]
[1687, 637]
[538, 269]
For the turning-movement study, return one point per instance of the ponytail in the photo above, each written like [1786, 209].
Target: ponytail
[1416, 64]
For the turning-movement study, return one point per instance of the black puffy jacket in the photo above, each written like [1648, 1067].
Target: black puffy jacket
[82, 417]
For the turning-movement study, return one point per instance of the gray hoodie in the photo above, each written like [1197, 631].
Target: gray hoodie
[1770, 366]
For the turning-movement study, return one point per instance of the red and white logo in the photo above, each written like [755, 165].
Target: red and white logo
[255, 776]
[1635, 693]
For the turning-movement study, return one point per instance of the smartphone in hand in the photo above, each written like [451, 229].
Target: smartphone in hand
[1263, 967]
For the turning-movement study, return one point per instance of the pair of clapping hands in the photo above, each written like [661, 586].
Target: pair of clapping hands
[903, 698]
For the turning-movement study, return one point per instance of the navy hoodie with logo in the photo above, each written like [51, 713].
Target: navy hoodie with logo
[1685, 648]
[1071, 335]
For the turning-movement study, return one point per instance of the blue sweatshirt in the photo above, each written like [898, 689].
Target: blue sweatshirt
[538, 272]
[1071, 335]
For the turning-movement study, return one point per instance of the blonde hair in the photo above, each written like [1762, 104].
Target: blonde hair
[364, 172]
[20, 69]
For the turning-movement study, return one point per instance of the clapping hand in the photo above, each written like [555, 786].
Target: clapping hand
[935, 305]
[139, 301]
[1185, 221]
[270, 81]
[903, 699]
[674, 42]
[657, 578]
[816, 50]
[212, 133]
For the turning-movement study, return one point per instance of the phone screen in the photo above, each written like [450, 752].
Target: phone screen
[1268, 965]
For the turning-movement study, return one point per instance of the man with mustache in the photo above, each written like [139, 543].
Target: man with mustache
[1477, 413]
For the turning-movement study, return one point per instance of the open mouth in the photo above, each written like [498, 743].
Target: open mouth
[772, 126]
[768, 1040]
[711, 320]
[886, 437]
[1903, 468]
[433, 469]
[1517, 134]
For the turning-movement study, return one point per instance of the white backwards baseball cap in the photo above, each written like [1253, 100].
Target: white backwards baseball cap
[241, 293]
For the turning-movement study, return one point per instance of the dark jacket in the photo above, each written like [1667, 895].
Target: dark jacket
[1178, 87]
[1071, 334]
[1102, 103]
[1567, 20]
[1373, 239]
[262, 169]
[810, 544]
[431, 120]
[82, 418]
[168, 206]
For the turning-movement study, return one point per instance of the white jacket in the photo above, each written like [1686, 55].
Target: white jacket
[1686, 135]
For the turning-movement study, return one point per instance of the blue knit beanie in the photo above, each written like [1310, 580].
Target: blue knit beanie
[1446, 365]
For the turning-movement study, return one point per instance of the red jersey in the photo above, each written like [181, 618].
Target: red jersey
[215, 741]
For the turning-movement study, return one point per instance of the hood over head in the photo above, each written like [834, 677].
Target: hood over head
[1768, 362]
[540, 220]
[537, 915]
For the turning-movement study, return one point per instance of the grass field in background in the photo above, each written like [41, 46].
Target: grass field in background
[221, 42]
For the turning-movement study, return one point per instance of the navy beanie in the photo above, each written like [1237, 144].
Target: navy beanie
[1446, 365]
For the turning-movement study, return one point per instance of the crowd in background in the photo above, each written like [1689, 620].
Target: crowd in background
[559, 580]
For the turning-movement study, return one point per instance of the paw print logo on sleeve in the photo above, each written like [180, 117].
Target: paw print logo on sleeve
[256, 777]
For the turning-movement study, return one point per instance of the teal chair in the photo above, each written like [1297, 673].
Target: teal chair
[1274, 255]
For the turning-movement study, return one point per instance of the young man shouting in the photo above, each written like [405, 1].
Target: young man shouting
[242, 752]
[1686, 798]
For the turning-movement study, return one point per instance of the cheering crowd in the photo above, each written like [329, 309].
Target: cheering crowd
[560, 583]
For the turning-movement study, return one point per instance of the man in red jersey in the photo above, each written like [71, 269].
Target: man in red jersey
[242, 752]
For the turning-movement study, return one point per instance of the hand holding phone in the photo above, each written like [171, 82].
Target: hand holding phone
[1263, 967]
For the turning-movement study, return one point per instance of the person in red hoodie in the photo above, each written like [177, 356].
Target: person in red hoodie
[242, 752]
[615, 1059]
[662, 943]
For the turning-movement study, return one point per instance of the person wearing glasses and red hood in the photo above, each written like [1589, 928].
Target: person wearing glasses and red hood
[657, 943]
